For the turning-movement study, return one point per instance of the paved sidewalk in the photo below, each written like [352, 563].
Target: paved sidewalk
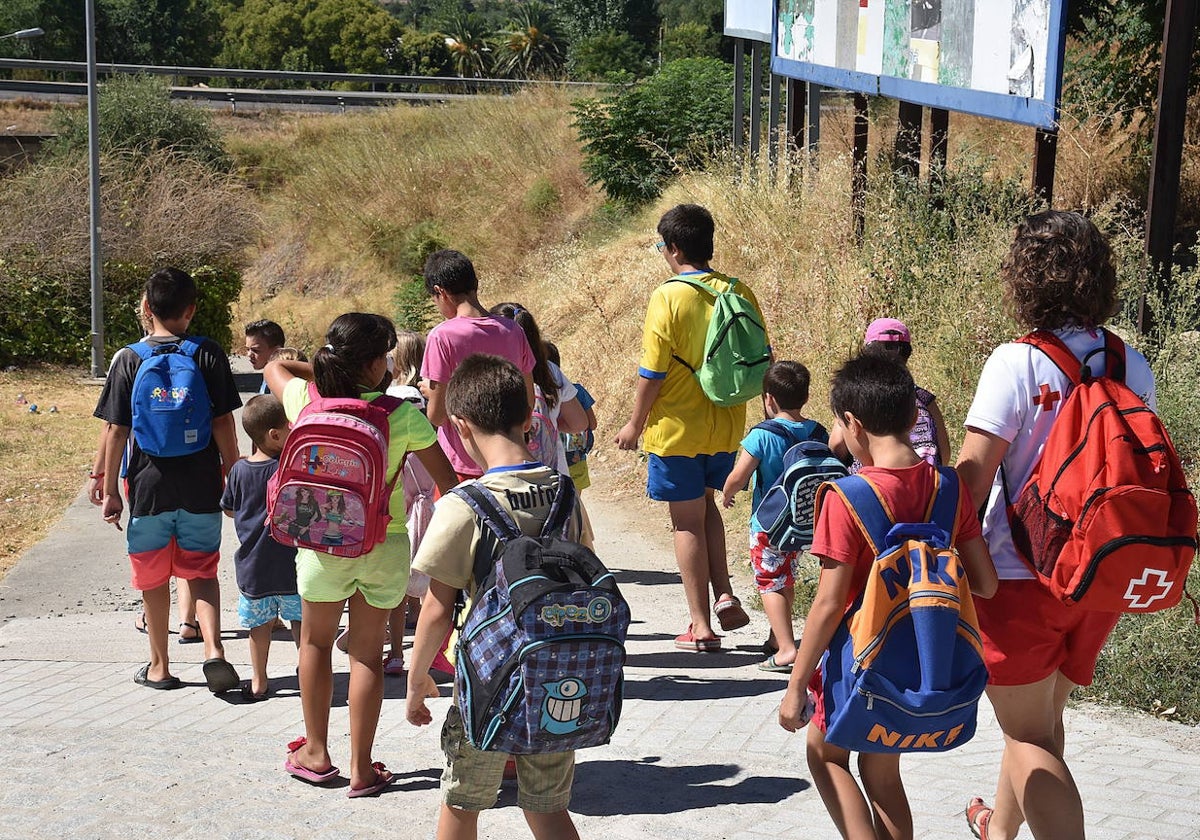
[84, 752]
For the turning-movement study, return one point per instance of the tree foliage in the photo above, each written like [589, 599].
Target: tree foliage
[531, 44]
[608, 56]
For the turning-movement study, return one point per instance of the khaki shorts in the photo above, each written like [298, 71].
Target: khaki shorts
[472, 777]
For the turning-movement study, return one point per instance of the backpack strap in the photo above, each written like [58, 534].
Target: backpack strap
[700, 284]
[561, 509]
[875, 520]
[1065, 360]
[943, 509]
[777, 428]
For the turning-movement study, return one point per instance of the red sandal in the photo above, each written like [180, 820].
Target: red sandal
[978, 817]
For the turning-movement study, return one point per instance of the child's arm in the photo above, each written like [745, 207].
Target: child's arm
[225, 433]
[118, 436]
[823, 618]
[643, 401]
[435, 402]
[939, 430]
[981, 571]
[279, 372]
[571, 417]
[435, 462]
[739, 478]
[95, 489]
[437, 613]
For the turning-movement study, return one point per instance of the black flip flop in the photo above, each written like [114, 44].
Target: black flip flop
[139, 623]
[250, 697]
[220, 676]
[142, 677]
[189, 640]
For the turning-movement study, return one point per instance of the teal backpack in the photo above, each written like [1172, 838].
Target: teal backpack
[736, 352]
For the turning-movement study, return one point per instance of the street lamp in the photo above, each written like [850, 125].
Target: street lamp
[22, 34]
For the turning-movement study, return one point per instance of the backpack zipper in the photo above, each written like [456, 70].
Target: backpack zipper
[1112, 545]
[871, 698]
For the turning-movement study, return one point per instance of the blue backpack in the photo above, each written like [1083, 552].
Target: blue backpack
[905, 668]
[172, 412]
[542, 650]
[786, 510]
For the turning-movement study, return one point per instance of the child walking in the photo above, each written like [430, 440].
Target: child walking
[265, 570]
[352, 364]
[488, 406]
[874, 404]
[577, 445]
[785, 392]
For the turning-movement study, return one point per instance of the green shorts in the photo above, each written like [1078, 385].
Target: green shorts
[381, 574]
[472, 777]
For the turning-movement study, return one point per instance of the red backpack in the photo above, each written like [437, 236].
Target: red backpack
[331, 492]
[1106, 519]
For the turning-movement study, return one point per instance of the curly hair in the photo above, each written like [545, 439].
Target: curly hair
[1059, 271]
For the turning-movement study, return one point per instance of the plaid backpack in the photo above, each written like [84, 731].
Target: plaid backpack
[541, 652]
[786, 510]
[905, 670]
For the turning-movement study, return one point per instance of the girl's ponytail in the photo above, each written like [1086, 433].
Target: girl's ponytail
[353, 342]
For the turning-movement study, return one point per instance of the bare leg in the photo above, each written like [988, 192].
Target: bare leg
[691, 554]
[457, 824]
[367, 625]
[880, 774]
[260, 646]
[207, 593]
[1035, 785]
[157, 605]
[317, 632]
[186, 602]
[714, 537]
[553, 826]
[396, 619]
[830, 769]
[778, 607]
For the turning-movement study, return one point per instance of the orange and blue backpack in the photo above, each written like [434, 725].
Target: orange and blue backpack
[905, 670]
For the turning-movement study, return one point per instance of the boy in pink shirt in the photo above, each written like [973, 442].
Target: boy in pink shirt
[468, 329]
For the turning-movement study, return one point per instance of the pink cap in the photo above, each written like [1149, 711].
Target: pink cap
[887, 329]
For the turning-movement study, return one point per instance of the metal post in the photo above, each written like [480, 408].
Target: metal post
[756, 80]
[908, 139]
[858, 183]
[814, 117]
[739, 93]
[939, 138]
[795, 114]
[1045, 155]
[98, 367]
[773, 109]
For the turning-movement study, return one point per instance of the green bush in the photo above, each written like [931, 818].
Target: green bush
[607, 57]
[542, 198]
[636, 140]
[138, 116]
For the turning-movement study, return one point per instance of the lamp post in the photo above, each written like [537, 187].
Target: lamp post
[22, 34]
[94, 195]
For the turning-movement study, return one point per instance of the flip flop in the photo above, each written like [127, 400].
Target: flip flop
[139, 623]
[303, 773]
[688, 641]
[189, 640]
[978, 817]
[771, 665]
[250, 697]
[142, 677]
[220, 675]
[382, 779]
[768, 647]
[730, 614]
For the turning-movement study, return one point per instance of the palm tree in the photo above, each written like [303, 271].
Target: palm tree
[531, 46]
[468, 46]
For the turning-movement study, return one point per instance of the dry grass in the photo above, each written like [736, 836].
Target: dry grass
[44, 457]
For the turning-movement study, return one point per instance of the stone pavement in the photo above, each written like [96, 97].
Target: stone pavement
[84, 752]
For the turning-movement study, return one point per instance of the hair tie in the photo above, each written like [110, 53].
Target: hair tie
[329, 347]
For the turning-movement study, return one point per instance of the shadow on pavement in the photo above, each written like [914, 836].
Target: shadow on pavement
[686, 660]
[646, 577]
[669, 687]
[648, 787]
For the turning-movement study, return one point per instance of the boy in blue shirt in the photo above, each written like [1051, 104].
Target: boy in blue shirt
[785, 391]
[266, 570]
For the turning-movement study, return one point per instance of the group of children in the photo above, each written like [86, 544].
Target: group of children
[467, 396]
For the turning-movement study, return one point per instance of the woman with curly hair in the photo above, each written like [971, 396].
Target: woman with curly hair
[1058, 276]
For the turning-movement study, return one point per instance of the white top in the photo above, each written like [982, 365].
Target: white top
[566, 392]
[1020, 393]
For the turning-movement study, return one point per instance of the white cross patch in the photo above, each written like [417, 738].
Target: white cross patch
[1136, 599]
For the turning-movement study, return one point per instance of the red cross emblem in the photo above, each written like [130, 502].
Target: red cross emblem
[1046, 398]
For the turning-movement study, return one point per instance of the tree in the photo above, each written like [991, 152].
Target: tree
[690, 40]
[467, 40]
[608, 55]
[531, 44]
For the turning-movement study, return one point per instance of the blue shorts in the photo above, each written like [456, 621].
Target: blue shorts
[679, 478]
[255, 612]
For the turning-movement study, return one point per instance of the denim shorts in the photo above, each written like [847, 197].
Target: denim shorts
[681, 478]
[255, 612]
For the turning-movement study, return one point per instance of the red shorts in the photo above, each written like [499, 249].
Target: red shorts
[816, 689]
[1028, 634]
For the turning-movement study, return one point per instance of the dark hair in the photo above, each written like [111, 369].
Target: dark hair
[268, 331]
[788, 383]
[354, 341]
[552, 353]
[450, 270]
[688, 227]
[262, 413]
[1059, 271]
[878, 391]
[489, 391]
[169, 293]
[896, 351]
[542, 375]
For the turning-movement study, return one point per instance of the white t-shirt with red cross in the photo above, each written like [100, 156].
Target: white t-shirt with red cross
[1020, 394]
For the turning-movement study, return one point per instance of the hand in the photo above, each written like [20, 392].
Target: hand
[423, 387]
[111, 511]
[627, 438]
[727, 498]
[95, 490]
[419, 687]
[796, 710]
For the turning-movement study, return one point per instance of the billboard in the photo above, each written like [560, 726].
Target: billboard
[753, 20]
[995, 58]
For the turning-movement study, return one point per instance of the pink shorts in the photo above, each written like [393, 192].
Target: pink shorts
[1028, 634]
[816, 688]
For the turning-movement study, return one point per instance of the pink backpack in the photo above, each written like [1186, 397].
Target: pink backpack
[331, 492]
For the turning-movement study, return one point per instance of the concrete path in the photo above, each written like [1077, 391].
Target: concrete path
[84, 752]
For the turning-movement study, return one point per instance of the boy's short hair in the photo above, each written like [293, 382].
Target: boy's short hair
[489, 392]
[262, 413]
[291, 354]
[450, 270]
[268, 331]
[878, 391]
[1059, 271]
[169, 293]
[690, 228]
[788, 383]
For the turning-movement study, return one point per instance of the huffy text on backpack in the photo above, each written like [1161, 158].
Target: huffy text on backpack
[905, 668]
[1106, 519]
[172, 412]
[786, 509]
[541, 651]
[332, 492]
[736, 352]
[542, 438]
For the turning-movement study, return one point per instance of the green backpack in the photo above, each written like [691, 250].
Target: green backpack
[736, 353]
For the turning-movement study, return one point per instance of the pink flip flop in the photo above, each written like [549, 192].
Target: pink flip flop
[730, 614]
[310, 776]
[382, 779]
